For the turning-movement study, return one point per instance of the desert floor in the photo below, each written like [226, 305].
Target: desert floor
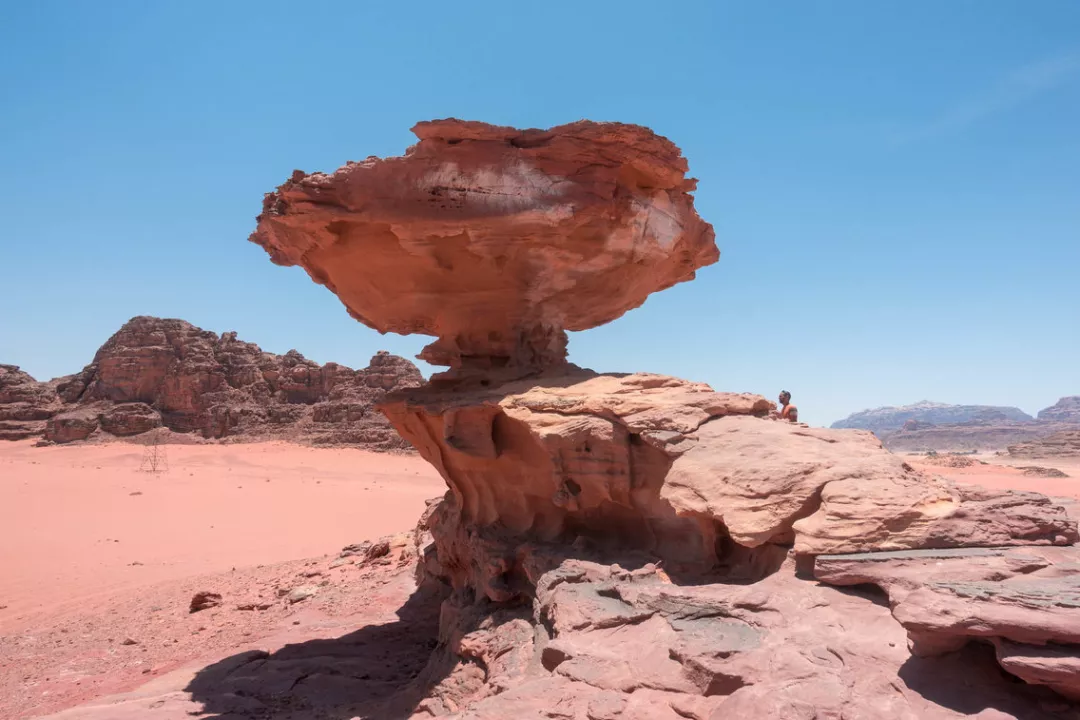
[94, 552]
[99, 561]
[994, 471]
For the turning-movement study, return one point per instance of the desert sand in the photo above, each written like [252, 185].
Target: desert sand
[97, 554]
[83, 522]
[1003, 472]
[100, 560]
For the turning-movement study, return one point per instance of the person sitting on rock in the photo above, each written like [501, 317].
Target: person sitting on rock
[787, 410]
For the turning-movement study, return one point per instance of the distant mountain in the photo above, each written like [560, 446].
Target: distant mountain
[890, 419]
[1066, 410]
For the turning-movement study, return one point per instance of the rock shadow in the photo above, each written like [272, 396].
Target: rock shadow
[375, 672]
[970, 681]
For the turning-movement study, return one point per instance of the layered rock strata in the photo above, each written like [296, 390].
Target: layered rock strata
[168, 373]
[1065, 443]
[615, 545]
[25, 404]
[495, 240]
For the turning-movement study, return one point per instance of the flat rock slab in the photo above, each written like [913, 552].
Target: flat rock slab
[1025, 601]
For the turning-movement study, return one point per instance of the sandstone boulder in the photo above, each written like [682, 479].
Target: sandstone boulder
[130, 419]
[495, 240]
[72, 425]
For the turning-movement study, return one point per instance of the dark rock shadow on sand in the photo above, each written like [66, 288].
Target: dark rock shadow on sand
[370, 673]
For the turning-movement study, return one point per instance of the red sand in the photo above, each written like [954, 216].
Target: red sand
[83, 521]
[74, 595]
[1003, 473]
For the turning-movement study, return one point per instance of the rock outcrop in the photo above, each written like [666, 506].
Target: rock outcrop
[623, 546]
[495, 240]
[1065, 443]
[1023, 601]
[168, 373]
[1065, 410]
[25, 404]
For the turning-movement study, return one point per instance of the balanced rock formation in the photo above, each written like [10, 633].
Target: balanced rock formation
[495, 240]
[168, 373]
[622, 546]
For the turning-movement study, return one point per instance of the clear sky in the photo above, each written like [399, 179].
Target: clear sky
[895, 185]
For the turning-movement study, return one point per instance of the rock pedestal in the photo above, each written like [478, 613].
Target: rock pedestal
[639, 546]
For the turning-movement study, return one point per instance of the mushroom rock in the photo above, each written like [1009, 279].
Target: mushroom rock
[592, 518]
[495, 240]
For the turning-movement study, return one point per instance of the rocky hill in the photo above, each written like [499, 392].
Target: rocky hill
[1064, 443]
[887, 419]
[168, 373]
[1066, 410]
[936, 426]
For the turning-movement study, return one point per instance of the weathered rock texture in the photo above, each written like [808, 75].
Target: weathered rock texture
[623, 546]
[697, 478]
[1023, 601]
[25, 404]
[495, 240]
[168, 373]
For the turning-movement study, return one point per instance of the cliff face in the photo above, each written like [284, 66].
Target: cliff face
[168, 373]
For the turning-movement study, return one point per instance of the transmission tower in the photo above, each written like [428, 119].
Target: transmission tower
[155, 459]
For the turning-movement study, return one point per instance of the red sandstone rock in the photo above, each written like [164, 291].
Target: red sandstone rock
[71, 425]
[1024, 601]
[673, 468]
[25, 404]
[879, 512]
[626, 546]
[169, 373]
[204, 601]
[1065, 443]
[130, 419]
[495, 240]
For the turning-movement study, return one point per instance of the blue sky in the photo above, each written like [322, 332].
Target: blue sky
[895, 186]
